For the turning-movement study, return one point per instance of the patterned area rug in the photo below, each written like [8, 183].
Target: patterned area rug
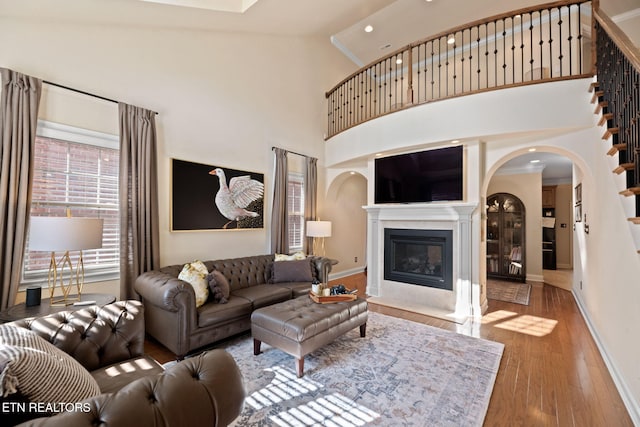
[508, 291]
[401, 373]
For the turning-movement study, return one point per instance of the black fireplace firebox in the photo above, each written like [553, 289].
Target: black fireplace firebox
[419, 257]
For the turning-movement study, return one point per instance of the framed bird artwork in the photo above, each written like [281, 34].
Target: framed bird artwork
[211, 197]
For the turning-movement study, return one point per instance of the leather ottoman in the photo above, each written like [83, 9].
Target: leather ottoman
[300, 326]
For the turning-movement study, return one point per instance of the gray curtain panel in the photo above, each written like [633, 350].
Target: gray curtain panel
[139, 230]
[279, 214]
[310, 197]
[18, 121]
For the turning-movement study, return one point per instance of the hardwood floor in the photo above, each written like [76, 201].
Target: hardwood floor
[551, 372]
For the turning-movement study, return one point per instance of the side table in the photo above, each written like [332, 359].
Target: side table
[21, 311]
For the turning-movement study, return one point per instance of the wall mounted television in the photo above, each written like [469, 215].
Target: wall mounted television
[424, 176]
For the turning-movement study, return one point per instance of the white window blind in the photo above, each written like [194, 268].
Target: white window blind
[295, 209]
[76, 169]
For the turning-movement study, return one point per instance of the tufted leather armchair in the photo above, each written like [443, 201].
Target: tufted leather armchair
[109, 342]
[170, 310]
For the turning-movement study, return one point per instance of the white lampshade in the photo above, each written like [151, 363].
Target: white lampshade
[64, 234]
[319, 228]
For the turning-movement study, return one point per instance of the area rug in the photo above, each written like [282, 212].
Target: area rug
[518, 293]
[401, 373]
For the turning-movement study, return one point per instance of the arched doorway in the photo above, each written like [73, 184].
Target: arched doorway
[524, 172]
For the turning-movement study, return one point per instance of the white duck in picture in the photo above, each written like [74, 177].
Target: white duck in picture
[233, 199]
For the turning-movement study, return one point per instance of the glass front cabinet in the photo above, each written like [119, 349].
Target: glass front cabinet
[505, 237]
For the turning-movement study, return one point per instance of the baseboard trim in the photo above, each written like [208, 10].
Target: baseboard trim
[621, 385]
[344, 273]
[535, 278]
[564, 266]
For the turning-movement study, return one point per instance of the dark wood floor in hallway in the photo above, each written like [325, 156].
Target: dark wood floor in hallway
[551, 372]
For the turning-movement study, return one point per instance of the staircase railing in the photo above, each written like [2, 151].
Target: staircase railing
[533, 45]
[618, 93]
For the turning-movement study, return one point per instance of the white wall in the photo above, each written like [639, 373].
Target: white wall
[345, 199]
[223, 99]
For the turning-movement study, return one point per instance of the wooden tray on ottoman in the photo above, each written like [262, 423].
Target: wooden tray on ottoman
[332, 298]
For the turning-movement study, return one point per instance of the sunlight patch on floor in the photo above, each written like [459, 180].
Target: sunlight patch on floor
[530, 325]
[331, 410]
[284, 386]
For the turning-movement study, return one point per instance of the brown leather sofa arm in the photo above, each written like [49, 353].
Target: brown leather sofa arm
[206, 390]
[164, 290]
[323, 266]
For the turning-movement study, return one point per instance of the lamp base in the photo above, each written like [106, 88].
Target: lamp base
[75, 276]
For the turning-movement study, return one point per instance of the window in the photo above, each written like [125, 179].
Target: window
[295, 208]
[76, 169]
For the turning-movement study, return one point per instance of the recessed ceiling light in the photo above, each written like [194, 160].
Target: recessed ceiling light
[455, 141]
[451, 40]
[428, 1]
[368, 29]
[399, 61]
[535, 161]
[531, 150]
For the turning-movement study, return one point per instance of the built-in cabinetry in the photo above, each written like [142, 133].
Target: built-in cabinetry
[549, 196]
[505, 237]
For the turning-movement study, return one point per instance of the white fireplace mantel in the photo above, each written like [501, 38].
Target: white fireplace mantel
[456, 305]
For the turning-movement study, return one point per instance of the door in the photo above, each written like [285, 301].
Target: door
[506, 237]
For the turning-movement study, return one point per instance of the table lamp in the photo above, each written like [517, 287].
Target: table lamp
[66, 234]
[318, 230]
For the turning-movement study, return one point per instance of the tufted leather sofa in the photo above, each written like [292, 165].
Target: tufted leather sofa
[109, 342]
[172, 317]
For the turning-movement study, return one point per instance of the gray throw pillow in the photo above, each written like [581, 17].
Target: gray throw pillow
[219, 288]
[292, 271]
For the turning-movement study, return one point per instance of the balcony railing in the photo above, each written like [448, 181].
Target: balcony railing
[533, 45]
[618, 90]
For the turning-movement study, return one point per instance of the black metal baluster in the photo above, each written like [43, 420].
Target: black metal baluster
[521, 51]
[580, 38]
[550, 44]
[540, 43]
[486, 54]
[531, 61]
[478, 56]
[495, 53]
[504, 51]
[462, 62]
[440, 67]
[560, 57]
[513, 50]
[471, 59]
[570, 39]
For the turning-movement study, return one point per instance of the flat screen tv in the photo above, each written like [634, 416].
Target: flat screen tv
[425, 176]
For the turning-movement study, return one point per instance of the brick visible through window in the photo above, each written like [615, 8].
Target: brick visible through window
[82, 177]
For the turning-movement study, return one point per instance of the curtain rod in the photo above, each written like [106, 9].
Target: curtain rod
[83, 92]
[293, 152]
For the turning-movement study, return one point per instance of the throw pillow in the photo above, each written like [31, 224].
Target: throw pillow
[195, 273]
[40, 371]
[294, 257]
[218, 287]
[292, 271]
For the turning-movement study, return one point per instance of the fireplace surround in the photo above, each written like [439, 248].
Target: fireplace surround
[463, 299]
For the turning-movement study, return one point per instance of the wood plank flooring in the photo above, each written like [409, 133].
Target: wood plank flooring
[551, 372]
